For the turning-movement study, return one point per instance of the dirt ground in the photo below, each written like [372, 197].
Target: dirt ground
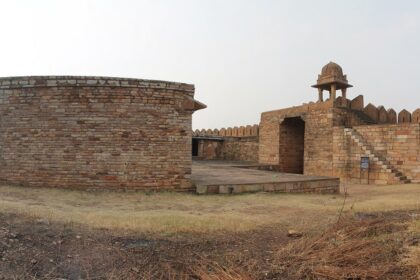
[376, 236]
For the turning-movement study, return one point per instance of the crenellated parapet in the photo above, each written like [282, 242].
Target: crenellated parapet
[379, 114]
[241, 131]
[415, 116]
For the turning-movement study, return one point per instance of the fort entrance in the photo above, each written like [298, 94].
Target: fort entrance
[292, 142]
[327, 137]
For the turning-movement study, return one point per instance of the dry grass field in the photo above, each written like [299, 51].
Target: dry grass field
[373, 234]
[168, 213]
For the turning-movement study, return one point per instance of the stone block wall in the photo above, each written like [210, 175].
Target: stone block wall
[209, 149]
[96, 132]
[318, 133]
[328, 151]
[354, 113]
[292, 134]
[317, 139]
[232, 143]
[398, 144]
[240, 149]
[241, 131]
[346, 163]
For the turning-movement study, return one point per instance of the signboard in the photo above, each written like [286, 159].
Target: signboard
[364, 162]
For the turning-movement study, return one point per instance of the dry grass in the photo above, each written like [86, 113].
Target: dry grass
[169, 213]
[352, 249]
[377, 242]
[413, 248]
[214, 271]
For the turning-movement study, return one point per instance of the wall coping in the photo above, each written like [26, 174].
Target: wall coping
[304, 108]
[89, 81]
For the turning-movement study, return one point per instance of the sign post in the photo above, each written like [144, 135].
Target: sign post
[364, 165]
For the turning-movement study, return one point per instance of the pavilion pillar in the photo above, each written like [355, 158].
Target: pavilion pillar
[333, 92]
[320, 95]
[343, 94]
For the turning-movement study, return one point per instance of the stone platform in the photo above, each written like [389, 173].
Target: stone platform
[213, 177]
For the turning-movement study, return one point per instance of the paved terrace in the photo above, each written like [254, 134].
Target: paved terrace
[238, 177]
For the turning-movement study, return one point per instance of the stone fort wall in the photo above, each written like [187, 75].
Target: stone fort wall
[340, 137]
[389, 140]
[95, 132]
[330, 138]
[237, 131]
[393, 151]
[236, 143]
[278, 144]
[354, 112]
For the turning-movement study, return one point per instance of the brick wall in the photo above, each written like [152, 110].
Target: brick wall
[229, 148]
[292, 132]
[318, 130]
[240, 149]
[95, 132]
[232, 143]
[209, 149]
[398, 144]
[318, 118]
[346, 160]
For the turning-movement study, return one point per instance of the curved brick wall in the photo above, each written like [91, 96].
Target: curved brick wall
[95, 132]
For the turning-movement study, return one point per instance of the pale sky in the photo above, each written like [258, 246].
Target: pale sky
[244, 56]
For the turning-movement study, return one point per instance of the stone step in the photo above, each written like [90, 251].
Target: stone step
[369, 151]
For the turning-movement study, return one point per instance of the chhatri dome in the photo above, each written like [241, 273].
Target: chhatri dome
[332, 79]
[332, 69]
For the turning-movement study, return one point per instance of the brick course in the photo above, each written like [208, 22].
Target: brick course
[240, 149]
[398, 144]
[327, 150]
[318, 118]
[230, 148]
[329, 137]
[95, 132]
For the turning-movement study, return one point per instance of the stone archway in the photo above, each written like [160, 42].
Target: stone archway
[292, 143]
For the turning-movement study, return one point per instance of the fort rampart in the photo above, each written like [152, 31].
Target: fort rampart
[96, 132]
[329, 138]
[232, 143]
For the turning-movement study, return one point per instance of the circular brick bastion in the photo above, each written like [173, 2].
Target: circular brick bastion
[96, 132]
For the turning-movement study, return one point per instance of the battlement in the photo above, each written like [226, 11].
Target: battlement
[378, 114]
[241, 131]
[325, 138]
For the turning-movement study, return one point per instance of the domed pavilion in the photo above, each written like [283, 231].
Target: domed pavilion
[332, 79]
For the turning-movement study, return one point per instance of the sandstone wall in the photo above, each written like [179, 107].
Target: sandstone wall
[353, 113]
[396, 146]
[241, 131]
[232, 143]
[312, 139]
[209, 149]
[240, 149]
[318, 133]
[95, 132]
[399, 144]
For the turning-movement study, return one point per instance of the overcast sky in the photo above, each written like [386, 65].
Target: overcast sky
[244, 57]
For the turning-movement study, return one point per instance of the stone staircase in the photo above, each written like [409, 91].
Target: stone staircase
[373, 156]
[362, 117]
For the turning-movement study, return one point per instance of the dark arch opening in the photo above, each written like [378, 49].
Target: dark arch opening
[292, 145]
[194, 147]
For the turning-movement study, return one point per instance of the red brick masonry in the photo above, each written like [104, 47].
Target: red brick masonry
[96, 132]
